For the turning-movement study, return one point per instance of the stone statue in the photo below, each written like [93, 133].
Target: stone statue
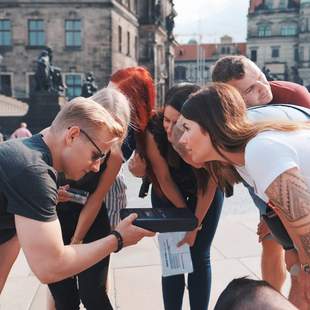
[170, 25]
[268, 74]
[296, 78]
[89, 86]
[58, 85]
[48, 77]
[42, 74]
[157, 11]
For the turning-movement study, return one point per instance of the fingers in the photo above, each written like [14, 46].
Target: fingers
[130, 218]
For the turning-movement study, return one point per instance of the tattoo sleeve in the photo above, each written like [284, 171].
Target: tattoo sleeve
[290, 194]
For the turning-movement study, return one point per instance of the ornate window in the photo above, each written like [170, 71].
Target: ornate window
[136, 48]
[5, 32]
[73, 32]
[264, 30]
[128, 43]
[253, 55]
[301, 53]
[275, 52]
[289, 30]
[36, 35]
[74, 85]
[6, 84]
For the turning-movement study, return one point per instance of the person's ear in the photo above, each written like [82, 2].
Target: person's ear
[71, 134]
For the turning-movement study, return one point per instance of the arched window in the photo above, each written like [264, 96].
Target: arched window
[264, 30]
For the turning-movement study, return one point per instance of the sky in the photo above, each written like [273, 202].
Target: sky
[212, 19]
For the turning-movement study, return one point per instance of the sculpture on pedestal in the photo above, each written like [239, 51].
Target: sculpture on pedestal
[89, 86]
[48, 77]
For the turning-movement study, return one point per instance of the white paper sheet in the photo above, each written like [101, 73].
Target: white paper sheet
[174, 260]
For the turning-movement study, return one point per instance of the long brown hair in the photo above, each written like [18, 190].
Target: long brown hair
[220, 110]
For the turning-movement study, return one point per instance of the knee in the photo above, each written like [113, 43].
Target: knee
[201, 260]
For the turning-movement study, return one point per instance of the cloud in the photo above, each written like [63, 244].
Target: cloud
[201, 8]
[212, 18]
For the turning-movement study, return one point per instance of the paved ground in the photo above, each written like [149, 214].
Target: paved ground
[134, 282]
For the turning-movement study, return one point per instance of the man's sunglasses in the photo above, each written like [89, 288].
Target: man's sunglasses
[99, 155]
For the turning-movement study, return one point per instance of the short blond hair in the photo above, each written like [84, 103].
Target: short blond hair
[89, 115]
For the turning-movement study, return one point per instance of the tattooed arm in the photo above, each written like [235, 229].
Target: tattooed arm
[290, 195]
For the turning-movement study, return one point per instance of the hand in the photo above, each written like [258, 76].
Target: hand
[130, 233]
[137, 166]
[189, 238]
[262, 230]
[63, 195]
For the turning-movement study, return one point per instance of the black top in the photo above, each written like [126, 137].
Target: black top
[27, 181]
[181, 172]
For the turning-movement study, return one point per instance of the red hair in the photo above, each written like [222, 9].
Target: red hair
[138, 85]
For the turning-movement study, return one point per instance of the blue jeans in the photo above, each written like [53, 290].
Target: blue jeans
[259, 203]
[89, 286]
[199, 281]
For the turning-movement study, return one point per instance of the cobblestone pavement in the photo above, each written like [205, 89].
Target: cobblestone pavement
[134, 279]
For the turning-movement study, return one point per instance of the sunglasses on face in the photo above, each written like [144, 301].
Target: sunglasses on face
[99, 155]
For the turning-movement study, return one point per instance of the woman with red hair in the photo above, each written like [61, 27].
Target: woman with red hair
[137, 84]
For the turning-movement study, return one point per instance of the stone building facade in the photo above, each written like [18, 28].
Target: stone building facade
[194, 62]
[100, 36]
[279, 38]
[157, 43]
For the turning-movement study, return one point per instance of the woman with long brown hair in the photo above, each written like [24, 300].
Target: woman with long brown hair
[179, 185]
[272, 157]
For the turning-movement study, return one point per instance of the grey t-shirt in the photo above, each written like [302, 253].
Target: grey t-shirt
[27, 183]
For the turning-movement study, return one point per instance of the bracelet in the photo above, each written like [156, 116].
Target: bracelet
[306, 268]
[119, 238]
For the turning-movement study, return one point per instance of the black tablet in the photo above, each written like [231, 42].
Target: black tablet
[162, 219]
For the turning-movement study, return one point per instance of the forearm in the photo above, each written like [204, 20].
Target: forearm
[86, 218]
[47, 256]
[290, 197]
[204, 201]
[171, 192]
[76, 258]
[94, 202]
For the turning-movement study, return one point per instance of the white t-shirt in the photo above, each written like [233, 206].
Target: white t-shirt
[271, 153]
[278, 112]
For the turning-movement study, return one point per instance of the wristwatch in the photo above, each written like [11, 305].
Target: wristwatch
[305, 268]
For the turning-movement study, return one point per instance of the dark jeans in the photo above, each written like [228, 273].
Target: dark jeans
[199, 281]
[88, 286]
